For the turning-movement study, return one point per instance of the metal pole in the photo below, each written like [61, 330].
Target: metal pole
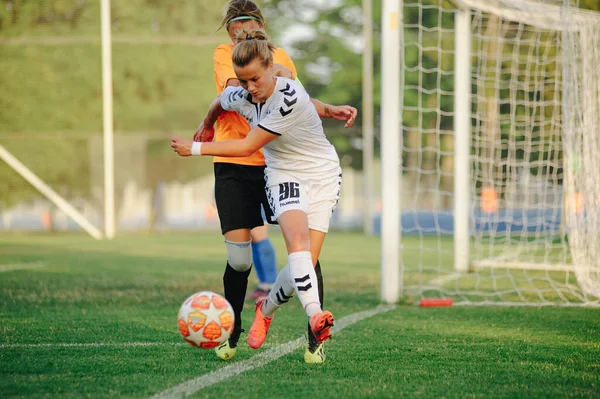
[107, 111]
[462, 138]
[367, 116]
[391, 141]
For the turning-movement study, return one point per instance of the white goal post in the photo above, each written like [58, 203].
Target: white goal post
[501, 146]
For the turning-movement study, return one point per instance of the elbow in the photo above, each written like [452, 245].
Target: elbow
[247, 151]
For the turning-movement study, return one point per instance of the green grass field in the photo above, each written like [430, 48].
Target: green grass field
[86, 318]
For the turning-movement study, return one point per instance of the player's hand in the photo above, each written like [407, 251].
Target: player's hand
[204, 133]
[343, 113]
[182, 146]
[280, 70]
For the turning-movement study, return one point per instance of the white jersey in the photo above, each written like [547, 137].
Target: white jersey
[289, 114]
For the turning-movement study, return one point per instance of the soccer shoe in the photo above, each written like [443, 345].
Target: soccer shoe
[225, 351]
[321, 324]
[258, 294]
[260, 327]
[315, 352]
[228, 349]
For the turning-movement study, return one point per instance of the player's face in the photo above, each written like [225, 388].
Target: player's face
[237, 26]
[257, 79]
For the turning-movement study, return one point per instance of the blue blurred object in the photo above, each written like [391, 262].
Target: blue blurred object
[428, 222]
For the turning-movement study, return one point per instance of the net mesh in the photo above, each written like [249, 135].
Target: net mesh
[582, 146]
[534, 124]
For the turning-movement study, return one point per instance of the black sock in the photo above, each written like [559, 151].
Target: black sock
[235, 284]
[320, 282]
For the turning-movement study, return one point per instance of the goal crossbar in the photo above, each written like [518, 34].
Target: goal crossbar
[541, 15]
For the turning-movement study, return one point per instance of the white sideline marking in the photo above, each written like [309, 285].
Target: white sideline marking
[93, 345]
[192, 386]
[21, 266]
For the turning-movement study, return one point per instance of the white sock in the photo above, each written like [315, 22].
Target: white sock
[281, 292]
[304, 279]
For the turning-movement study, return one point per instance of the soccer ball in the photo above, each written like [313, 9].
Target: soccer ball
[205, 319]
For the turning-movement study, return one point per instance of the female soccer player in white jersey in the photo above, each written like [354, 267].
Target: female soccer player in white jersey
[303, 174]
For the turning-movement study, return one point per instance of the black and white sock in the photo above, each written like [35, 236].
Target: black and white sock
[281, 293]
[305, 281]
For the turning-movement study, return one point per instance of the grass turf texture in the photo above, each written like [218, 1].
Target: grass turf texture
[129, 291]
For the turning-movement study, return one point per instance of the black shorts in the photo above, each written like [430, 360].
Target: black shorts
[240, 195]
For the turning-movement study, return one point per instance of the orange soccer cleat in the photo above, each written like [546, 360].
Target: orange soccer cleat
[321, 324]
[260, 327]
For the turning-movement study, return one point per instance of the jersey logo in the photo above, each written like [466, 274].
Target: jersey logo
[284, 112]
[232, 95]
[291, 102]
[288, 91]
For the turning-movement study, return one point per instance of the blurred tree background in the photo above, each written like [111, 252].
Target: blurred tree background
[51, 85]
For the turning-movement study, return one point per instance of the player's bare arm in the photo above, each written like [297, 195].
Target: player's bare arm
[338, 112]
[233, 82]
[206, 130]
[204, 133]
[280, 70]
[256, 139]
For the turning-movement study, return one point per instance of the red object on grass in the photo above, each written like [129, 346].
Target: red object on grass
[432, 302]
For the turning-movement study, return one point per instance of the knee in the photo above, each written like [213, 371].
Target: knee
[239, 255]
[298, 242]
[259, 234]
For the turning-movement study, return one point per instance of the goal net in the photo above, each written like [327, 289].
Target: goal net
[501, 121]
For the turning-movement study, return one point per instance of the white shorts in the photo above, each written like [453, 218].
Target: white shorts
[317, 195]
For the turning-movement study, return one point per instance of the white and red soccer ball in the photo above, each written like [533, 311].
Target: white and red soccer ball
[205, 319]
